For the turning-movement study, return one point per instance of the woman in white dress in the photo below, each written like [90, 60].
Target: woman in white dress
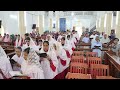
[67, 49]
[5, 65]
[18, 41]
[49, 63]
[29, 43]
[40, 44]
[51, 40]
[63, 61]
[70, 42]
[31, 66]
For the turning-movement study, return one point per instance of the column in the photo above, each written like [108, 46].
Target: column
[22, 28]
[117, 30]
[102, 24]
[57, 24]
[97, 25]
[57, 20]
[113, 22]
[108, 23]
[50, 28]
[41, 24]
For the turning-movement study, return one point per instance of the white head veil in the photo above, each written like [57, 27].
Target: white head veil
[2, 52]
[18, 43]
[33, 58]
[32, 43]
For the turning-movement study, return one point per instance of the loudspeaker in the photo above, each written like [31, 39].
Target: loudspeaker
[0, 23]
[34, 26]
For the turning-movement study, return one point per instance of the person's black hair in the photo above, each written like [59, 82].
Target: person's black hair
[116, 38]
[27, 38]
[46, 42]
[26, 34]
[19, 48]
[68, 36]
[73, 30]
[18, 35]
[27, 50]
[63, 38]
[40, 41]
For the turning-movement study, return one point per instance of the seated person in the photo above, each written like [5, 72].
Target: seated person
[7, 38]
[29, 43]
[30, 65]
[63, 61]
[50, 62]
[86, 39]
[66, 47]
[40, 44]
[5, 65]
[93, 36]
[18, 59]
[105, 40]
[70, 42]
[18, 41]
[114, 45]
[97, 46]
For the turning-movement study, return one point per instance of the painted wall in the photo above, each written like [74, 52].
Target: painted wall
[10, 21]
[30, 20]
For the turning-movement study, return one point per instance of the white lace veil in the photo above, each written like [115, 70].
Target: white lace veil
[33, 58]
[32, 43]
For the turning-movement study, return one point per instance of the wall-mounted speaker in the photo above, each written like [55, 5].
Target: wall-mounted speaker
[34, 26]
[114, 13]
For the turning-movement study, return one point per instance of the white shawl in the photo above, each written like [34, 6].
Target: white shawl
[32, 67]
[5, 64]
[48, 73]
[18, 43]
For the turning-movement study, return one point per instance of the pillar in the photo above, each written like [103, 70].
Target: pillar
[50, 28]
[22, 28]
[117, 29]
[108, 23]
[41, 24]
[57, 23]
[102, 29]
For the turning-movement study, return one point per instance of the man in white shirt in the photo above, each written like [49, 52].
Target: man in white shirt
[105, 40]
[86, 39]
[97, 46]
[93, 36]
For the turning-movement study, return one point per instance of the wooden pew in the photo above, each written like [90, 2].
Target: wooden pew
[5, 43]
[84, 44]
[11, 54]
[89, 49]
[110, 59]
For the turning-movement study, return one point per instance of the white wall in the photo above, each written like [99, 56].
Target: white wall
[10, 24]
[30, 20]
